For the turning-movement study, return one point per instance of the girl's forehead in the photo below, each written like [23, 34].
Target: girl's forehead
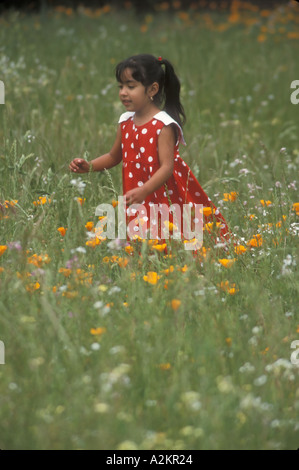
[126, 76]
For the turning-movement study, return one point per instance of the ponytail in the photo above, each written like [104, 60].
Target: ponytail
[172, 87]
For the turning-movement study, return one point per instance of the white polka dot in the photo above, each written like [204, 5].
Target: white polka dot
[151, 140]
[145, 218]
[130, 175]
[142, 149]
[137, 165]
[126, 154]
[150, 159]
[179, 173]
[197, 193]
[158, 131]
[137, 135]
[140, 183]
[136, 229]
[132, 145]
[144, 131]
[154, 122]
[127, 135]
[217, 212]
[170, 191]
[150, 168]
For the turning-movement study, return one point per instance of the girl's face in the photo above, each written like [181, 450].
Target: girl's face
[133, 94]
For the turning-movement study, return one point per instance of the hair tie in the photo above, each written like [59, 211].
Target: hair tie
[160, 59]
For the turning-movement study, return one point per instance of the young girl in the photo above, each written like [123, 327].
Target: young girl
[147, 144]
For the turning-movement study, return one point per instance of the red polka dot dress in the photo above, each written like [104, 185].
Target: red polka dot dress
[182, 192]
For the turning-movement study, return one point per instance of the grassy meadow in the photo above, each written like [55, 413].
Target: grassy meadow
[124, 346]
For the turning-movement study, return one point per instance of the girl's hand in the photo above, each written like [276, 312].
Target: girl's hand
[78, 165]
[135, 196]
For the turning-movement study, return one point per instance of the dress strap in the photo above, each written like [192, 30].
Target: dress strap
[125, 116]
[167, 120]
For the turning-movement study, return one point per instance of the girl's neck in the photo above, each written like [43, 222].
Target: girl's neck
[143, 116]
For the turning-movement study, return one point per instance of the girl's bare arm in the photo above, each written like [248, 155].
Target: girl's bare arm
[106, 161]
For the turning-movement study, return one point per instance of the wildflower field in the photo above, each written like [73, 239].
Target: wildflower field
[113, 345]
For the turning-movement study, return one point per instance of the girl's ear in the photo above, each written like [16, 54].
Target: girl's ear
[153, 89]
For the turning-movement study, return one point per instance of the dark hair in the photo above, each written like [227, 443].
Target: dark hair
[147, 69]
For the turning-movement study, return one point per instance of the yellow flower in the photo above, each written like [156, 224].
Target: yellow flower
[227, 287]
[228, 341]
[171, 226]
[152, 241]
[183, 269]
[95, 241]
[168, 270]
[80, 200]
[255, 241]
[65, 271]
[232, 196]
[62, 231]
[122, 262]
[3, 248]
[42, 200]
[165, 366]
[33, 286]
[227, 263]
[240, 249]
[38, 260]
[89, 226]
[207, 211]
[296, 207]
[265, 203]
[175, 304]
[160, 247]
[152, 277]
[211, 226]
[129, 249]
[98, 331]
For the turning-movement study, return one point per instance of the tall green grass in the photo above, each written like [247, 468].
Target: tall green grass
[95, 356]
